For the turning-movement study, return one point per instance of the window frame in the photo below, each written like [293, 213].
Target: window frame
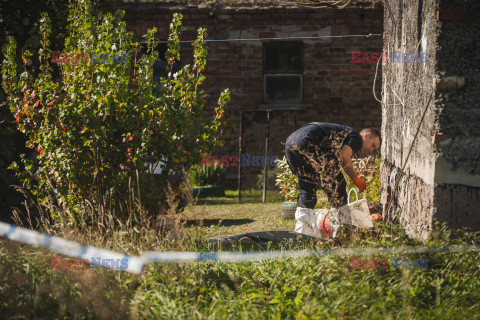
[282, 73]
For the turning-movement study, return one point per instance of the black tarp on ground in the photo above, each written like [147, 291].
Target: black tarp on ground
[263, 237]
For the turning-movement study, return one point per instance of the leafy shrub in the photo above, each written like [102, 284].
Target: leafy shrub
[369, 170]
[19, 19]
[96, 130]
[286, 181]
[206, 175]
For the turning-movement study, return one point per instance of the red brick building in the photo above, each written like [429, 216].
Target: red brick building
[278, 58]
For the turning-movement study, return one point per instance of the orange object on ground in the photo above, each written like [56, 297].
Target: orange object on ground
[376, 217]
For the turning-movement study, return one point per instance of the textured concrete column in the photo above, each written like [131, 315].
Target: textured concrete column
[442, 176]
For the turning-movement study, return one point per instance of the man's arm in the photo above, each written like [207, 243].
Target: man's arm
[346, 161]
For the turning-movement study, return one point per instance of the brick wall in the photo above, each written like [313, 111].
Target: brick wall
[334, 89]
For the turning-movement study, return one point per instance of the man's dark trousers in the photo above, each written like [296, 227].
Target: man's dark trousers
[310, 156]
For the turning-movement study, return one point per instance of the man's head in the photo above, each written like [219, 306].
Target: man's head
[371, 140]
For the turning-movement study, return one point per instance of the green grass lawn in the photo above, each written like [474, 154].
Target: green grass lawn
[305, 288]
[213, 217]
[226, 216]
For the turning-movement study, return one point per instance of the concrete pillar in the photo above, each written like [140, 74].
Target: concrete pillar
[442, 176]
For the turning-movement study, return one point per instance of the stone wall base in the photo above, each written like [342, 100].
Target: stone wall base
[417, 204]
[412, 205]
[458, 206]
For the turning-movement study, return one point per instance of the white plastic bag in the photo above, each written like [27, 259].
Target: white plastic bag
[356, 213]
[323, 223]
[305, 221]
[320, 223]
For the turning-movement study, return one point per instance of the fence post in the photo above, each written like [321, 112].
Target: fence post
[240, 159]
[264, 197]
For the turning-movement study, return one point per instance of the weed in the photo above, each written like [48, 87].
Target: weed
[206, 175]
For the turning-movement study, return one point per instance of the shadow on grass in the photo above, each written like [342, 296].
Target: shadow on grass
[215, 201]
[248, 196]
[217, 222]
[269, 240]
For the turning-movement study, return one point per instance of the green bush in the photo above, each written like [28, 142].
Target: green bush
[19, 18]
[369, 170]
[96, 130]
[206, 175]
[286, 181]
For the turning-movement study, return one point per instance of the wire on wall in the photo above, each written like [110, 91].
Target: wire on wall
[285, 38]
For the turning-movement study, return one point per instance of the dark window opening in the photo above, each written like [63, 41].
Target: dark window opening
[283, 88]
[160, 66]
[283, 69]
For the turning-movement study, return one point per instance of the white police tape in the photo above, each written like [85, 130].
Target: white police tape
[68, 248]
[262, 255]
[135, 264]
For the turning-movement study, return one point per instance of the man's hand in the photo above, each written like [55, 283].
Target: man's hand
[361, 185]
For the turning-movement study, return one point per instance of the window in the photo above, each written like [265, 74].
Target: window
[159, 67]
[282, 69]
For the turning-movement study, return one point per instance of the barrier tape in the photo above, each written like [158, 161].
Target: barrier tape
[67, 247]
[338, 252]
[135, 264]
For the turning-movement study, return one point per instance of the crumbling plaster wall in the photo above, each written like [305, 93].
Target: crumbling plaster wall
[441, 177]
[409, 27]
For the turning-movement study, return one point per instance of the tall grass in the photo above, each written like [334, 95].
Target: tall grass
[306, 288]
[30, 288]
[317, 288]
[122, 226]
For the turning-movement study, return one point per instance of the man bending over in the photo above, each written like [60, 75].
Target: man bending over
[315, 153]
